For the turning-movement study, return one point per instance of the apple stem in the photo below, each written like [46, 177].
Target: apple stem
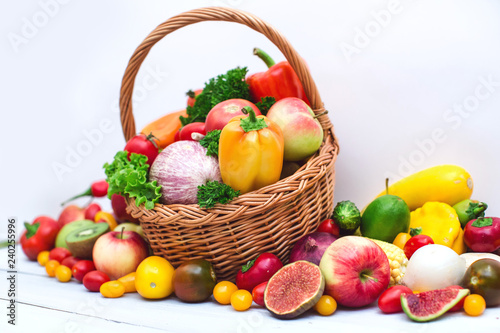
[121, 233]
[366, 276]
[387, 186]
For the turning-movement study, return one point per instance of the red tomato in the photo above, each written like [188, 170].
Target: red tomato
[94, 279]
[258, 293]
[59, 254]
[142, 144]
[390, 300]
[91, 210]
[415, 243]
[192, 96]
[329, 226]
[81, 268]
[186, 131]
[460, 305]
[70, 261]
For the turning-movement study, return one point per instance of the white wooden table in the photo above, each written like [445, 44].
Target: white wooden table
[47, 305]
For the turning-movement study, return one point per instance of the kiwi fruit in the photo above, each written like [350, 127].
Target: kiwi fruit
[81, 241]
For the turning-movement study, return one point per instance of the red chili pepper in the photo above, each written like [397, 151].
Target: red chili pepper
[39, 236]
[279, 81]
[187, 130]
[257, 271]
[98, 189]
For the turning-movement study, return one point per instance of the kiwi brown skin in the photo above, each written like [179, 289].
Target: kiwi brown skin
[81, 241]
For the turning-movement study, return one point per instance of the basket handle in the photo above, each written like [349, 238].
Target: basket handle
[214, 14]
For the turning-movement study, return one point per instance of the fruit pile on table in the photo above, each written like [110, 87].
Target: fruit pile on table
[422, 246]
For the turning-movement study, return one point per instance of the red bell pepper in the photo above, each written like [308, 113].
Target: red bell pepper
[257, 271]
[279, 81]
[483, 234]
[39, 236]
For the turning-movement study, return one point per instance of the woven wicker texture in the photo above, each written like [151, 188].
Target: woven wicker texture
[270, 219]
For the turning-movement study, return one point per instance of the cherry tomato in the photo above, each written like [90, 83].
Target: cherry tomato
[401, 239]
[154, 278]
[70, 261]
[43, 258]
[326, 305]
[63, 273]
[223, 291]
[143, 144]
[128, 282]
[241, 300]
[91, 210]
[94, 280]
[329, 226]
[474, 305]
[59, 254]
[460, 305]
[81, 268]
[192, 96]
[186, 131]
[51, 266]
[390, 301]
[415, 243]
[258, 293]
[112, 289]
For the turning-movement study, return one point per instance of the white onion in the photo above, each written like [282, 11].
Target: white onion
[180, 168]
[432, 267]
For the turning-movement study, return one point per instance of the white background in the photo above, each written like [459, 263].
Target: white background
[61, 80]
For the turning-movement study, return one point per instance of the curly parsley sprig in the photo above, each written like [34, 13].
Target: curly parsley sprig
[130, 177]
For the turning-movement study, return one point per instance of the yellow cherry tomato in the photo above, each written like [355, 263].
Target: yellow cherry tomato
[63, 273]
[474, 305]
[401, 239]
[106, 217]
[241, 300]
[154, 277]
[50, 267]
[43, 258]
[128, 282]
[223, 291]
[112, 289]
[326, 305]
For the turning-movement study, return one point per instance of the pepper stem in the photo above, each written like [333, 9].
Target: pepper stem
[84, 194]
[264, 56]
[251, 123]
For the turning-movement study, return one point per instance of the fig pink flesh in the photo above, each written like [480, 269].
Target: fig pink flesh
[289, 289]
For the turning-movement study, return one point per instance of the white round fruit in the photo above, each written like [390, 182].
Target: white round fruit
[432, 267]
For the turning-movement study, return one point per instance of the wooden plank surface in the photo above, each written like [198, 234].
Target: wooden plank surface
[43, 302]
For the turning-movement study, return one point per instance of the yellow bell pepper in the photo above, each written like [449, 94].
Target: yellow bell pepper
[250, 152]
[439, 221]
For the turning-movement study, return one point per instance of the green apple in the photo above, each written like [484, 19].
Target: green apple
[61, 236]
[128, 226]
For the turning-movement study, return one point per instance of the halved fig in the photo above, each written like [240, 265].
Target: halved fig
[294, 289]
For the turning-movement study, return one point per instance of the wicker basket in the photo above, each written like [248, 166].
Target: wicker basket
[270, 219]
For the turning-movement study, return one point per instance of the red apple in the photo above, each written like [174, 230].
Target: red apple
[356, 271]
[302, 132]
[119, 253]
[69, 214]
[223, 112]
[119, 206]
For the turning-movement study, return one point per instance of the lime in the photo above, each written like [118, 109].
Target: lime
[385, 217]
